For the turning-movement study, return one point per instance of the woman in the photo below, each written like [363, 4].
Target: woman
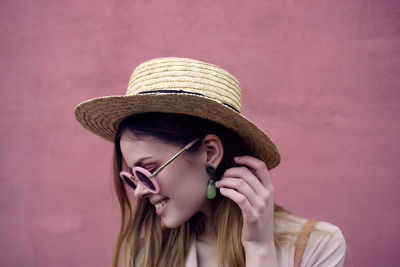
[196, 170]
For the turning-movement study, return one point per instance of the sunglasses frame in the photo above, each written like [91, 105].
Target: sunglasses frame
[133, 177]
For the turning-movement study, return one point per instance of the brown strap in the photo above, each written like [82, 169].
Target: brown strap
[302, 241]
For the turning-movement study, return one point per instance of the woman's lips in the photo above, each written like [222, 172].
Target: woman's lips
[161, 206]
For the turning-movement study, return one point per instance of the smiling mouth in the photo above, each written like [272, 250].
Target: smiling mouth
[161, 204]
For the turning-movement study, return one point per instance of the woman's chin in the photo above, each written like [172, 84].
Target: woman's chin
[166, 224]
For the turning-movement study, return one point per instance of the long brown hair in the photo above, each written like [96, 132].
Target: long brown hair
[170, 247]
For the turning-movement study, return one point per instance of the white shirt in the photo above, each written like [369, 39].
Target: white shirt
[326, 246]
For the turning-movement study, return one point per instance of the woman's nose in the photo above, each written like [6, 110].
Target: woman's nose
[141, 191]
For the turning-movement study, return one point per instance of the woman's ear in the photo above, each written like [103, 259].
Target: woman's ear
[214, 150]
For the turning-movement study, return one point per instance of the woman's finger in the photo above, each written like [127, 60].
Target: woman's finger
[242, 187]
[258, 167]
[247, 176]
[249, 214]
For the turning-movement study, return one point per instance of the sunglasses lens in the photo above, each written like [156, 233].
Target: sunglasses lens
[129, 182]
[145, 180]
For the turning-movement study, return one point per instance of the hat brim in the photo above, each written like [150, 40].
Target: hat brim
[102, 116]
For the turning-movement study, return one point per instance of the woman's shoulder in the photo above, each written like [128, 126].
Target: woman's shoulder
[326, 245]
[285, 222]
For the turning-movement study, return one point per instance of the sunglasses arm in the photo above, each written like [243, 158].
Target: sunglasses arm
[174, 157]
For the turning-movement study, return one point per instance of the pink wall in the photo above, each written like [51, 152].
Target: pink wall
[320, 77]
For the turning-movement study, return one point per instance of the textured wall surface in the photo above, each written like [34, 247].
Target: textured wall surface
[320, 77]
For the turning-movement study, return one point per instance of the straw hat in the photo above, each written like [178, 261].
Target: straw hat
[178, 85]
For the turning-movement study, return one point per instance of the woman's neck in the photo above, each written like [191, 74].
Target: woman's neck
[207, 250]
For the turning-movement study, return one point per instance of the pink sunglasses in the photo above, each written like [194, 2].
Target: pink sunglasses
[143, 176]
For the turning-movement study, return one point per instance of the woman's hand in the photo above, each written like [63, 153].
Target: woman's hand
[251, 189]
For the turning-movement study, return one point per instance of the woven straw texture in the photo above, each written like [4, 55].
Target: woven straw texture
[178, 85]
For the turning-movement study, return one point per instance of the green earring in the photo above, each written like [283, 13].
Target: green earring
[211, 191]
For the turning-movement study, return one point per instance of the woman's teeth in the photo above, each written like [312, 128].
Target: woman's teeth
[160, 204]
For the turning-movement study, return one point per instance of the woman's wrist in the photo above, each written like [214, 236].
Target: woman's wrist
[261, 254]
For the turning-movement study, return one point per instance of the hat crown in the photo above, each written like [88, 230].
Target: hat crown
[181, 86]
[187, 76]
